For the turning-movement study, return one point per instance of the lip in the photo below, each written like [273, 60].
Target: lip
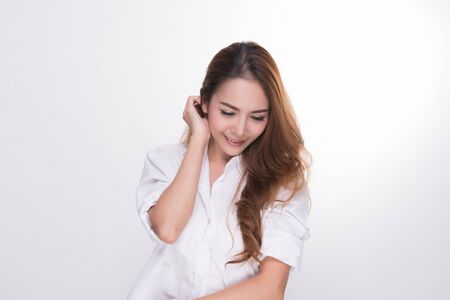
[231, 142]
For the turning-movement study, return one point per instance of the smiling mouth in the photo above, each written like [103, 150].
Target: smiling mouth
[234, 142]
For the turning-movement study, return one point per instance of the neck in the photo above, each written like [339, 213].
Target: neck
[215, 155]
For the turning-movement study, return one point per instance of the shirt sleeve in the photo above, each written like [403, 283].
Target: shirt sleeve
[154, 180]
[285, 229]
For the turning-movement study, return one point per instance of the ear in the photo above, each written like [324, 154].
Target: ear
[204, 107]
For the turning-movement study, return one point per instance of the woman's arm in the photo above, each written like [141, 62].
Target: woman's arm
[174, 207]
[270, 283]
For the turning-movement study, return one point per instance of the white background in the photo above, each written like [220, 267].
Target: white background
[86, 87]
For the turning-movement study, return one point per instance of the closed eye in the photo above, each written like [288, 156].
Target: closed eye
[231, 114]
[258, 118]
[226, 113]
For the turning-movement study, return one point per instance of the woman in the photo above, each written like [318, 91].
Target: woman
[227, 206]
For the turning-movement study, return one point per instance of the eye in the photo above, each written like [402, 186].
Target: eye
[260, 119]
[226, 113]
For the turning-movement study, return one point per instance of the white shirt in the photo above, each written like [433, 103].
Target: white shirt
[193, 266]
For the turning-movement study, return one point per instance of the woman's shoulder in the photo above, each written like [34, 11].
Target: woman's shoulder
[299, 202]
[170, 154]
[167, 150]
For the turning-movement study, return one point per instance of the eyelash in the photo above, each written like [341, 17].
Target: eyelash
[259, 119]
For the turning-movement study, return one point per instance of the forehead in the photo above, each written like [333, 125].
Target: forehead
[242, 93]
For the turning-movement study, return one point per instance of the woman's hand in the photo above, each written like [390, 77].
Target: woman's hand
[198, 125]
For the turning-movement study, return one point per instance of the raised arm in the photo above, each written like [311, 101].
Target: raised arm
[174, 207]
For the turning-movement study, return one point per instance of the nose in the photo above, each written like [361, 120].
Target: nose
[239, 129]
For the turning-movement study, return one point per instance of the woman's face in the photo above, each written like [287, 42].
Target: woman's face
[237, 114]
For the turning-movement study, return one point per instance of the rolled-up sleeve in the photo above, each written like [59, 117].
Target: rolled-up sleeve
[285, 230]
[154, 180]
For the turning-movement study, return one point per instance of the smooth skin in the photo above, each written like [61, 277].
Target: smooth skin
[238, 110]
[174, 207]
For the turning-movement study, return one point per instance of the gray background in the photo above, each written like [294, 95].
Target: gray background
[86, 87]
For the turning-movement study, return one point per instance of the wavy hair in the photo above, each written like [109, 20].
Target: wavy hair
[277, 158]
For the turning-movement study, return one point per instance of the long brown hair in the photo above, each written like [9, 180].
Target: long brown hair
[277, 158]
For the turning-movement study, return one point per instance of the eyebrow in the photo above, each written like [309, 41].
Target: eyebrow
[235, 108]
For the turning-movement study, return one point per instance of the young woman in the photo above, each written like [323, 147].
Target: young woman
[227, 206]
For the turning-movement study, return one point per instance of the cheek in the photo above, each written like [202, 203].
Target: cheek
[259, 128]
[216, 121]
